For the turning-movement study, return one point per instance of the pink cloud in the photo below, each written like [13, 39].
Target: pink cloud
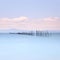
[51, 19]
[25, 23]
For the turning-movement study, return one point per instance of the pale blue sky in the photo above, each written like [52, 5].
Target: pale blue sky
[30, 8]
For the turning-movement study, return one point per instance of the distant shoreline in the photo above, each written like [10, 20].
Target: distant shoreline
[35, 33]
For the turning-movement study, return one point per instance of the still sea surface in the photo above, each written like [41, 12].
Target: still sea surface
[24, 47]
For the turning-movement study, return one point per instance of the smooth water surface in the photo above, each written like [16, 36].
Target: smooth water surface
[23, 47]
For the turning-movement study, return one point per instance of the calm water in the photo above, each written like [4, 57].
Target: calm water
[23, 47]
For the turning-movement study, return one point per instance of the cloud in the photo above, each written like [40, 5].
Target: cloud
[19, 19]
[24, 23]
[14, 19]
[10, 23]
[52, 19]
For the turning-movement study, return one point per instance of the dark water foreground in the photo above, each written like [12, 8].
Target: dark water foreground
[27, 47]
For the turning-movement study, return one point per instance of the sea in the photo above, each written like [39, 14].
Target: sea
[26, 47]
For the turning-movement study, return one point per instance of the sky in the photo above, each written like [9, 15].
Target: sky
[30, 14]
